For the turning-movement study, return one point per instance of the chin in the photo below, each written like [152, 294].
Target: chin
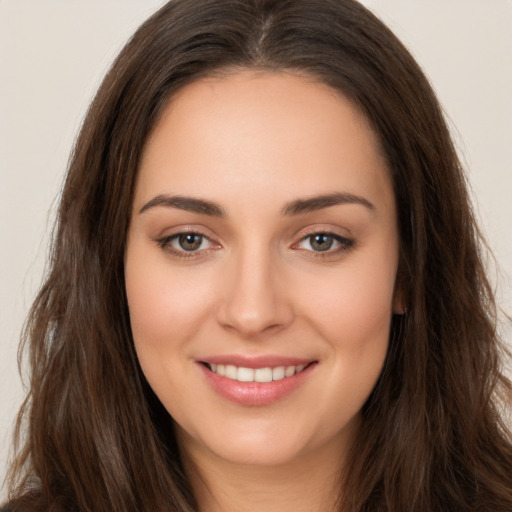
[263, 444]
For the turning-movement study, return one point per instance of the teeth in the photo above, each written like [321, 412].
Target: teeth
[279, 372]
[263, 375]
[289, 371]
[245, 375]
[230, 372]
[255, 375]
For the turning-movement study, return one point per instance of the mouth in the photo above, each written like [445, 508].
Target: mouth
[256, 381]
[262, 375]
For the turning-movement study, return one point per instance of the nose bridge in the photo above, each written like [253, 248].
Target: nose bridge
[254, 301]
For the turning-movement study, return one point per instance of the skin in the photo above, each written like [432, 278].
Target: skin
[253, 143]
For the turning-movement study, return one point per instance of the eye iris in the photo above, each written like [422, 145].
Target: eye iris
[190, 241]
[321, 242]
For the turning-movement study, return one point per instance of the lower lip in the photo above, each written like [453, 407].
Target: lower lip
[255, 393]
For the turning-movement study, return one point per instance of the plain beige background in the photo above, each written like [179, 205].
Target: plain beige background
[53, 54]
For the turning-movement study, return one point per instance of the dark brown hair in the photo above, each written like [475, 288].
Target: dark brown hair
[432, 437]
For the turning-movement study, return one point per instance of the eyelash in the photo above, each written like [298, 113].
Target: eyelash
[165, 243]
[345, 244]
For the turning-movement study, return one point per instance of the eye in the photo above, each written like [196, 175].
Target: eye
[189, 241]
[186, 244]
[325, 243]
[320, 241]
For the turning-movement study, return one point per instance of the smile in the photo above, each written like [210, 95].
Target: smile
[255, 381]
[242, 374]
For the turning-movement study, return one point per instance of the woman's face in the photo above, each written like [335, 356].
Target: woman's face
[260, 267]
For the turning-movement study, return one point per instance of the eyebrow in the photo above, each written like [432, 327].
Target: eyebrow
[189, 204]
[311, 204]
[297, 207]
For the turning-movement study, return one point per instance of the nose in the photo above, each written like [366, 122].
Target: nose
[254, 299]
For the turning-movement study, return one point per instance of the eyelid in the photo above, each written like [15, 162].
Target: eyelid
[345, 244]
[165, 242]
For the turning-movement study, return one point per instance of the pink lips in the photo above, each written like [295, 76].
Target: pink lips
[255, 393]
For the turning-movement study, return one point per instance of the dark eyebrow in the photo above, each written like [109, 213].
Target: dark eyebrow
[311, 204]
[296, 207]
[190, 204]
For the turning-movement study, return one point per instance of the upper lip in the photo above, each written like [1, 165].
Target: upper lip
[264, 361]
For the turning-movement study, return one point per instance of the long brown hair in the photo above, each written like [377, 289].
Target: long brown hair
[92, 435]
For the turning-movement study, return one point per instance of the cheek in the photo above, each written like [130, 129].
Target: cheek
[355, 303]
[166, 305]
[352, 312]
[354, 318]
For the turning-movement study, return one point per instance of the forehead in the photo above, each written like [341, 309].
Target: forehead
[246, 132]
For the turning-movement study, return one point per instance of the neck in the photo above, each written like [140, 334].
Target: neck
[309, 484]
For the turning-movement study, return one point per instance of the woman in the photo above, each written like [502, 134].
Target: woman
[266, 287]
